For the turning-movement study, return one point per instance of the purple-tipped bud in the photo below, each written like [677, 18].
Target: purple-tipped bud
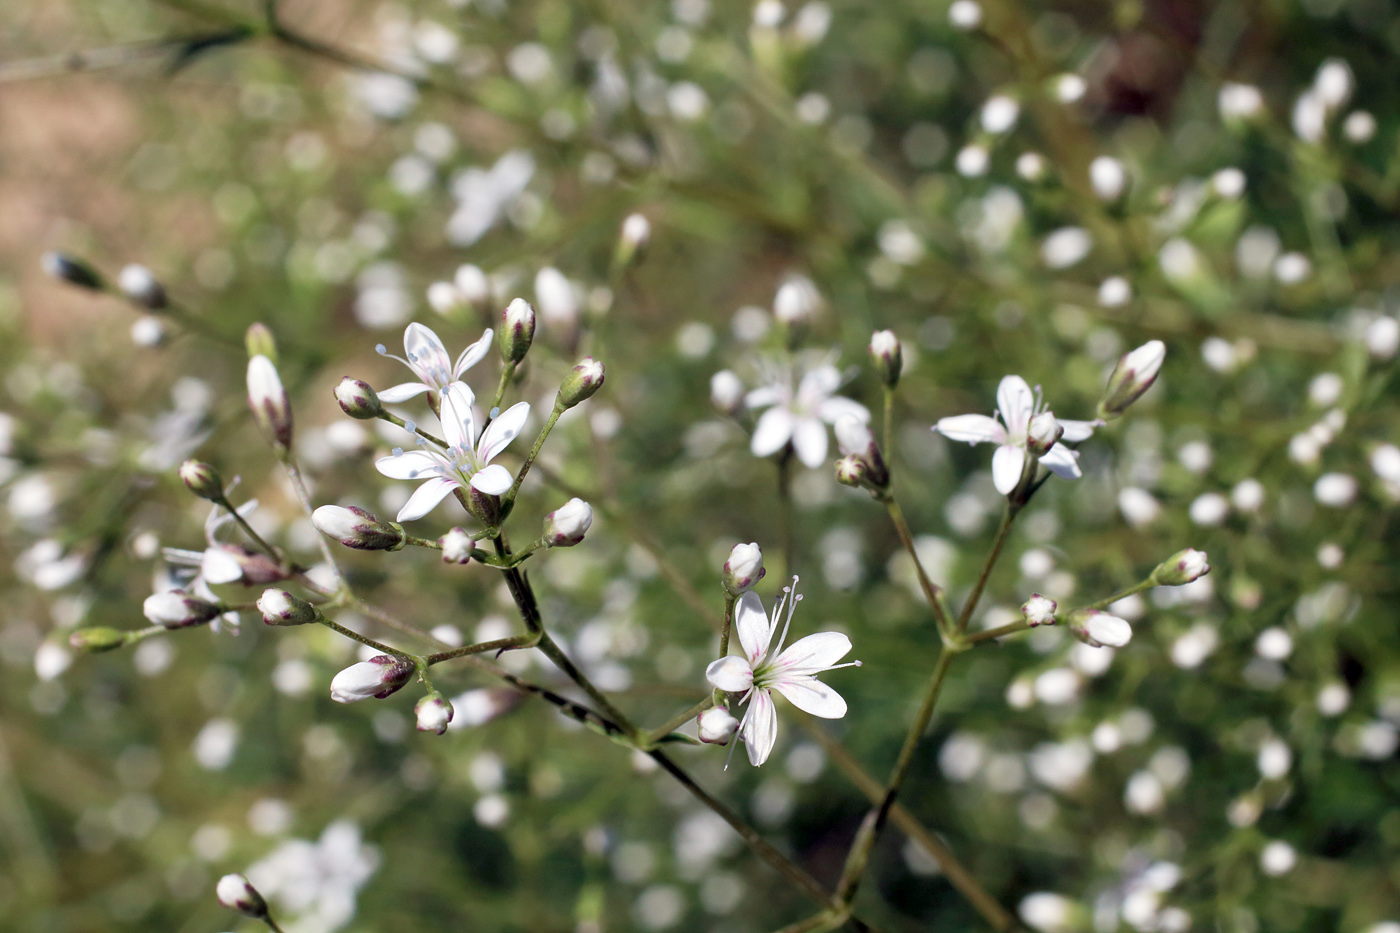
[855, 439]
[1181, 568]
[1133, 375]
[236, 893]
[141, 286]
[278, 607]
[517, 330]
[566, 525]
[358, 399]
[178, 609]
[1042, 433]
[716, 726]
[581, 382]
[354, 527]
[727, 392]
[203, 480]
[743, 569]
[72, 270]
[433, 713]
[851, 471]
[886, 355]
[1099, 629]
[268, 401]
[373, 679]
[1039, 610]
[96, 639]
[456, 546]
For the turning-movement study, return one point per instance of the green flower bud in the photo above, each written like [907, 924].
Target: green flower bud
[581, 382]
[357, 399]
[203, 480]
[97, 639]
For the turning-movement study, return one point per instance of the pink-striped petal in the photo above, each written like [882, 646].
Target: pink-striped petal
[426, 497]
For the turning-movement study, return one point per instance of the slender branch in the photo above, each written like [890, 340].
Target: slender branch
[412, 428]
[508, 500]
[676, 721]
[888, 439]
[932, 591]
[1003, 530]
[1010, 628]
[1122, 594]
[552, 651]
[257, 539]
[507, 371]
[497, 645]
[271, 924]
[304, 497]
[364, 639]
[728, 624]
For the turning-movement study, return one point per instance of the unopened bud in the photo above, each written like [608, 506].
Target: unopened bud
[178, 609]
[1133, 375]
[203, 480]
[456, 546]
[433, 713]
[632, 243]
[743, 569]
[716, 726]
[358, 399]
[96, 639]
[517, 330]
[354, 527]
[566, 525]
[236, 893]
[278, 607]
[260, 342]
[1042, 433]
[727, 392]
[851, 471]
[268, 400]
[72, 270]
[141, 286]
[855, 439]
[581, 382]
[1181, 568]
[373, 679]
[887, 356]
[1099, 629]
[1039, 610]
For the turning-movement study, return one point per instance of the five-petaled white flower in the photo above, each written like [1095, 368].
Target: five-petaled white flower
[425, 354]
[801, 400]
[764, 668]
[1017, 405]
[467, 459]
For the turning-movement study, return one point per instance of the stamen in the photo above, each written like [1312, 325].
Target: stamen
[791, 607]
[397, 452]
[411, 427]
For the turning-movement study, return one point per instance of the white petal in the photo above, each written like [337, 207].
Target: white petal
[817, 384]
[731, 674]
[760, 728]
[812, 696]
[402, 392]
[411, 464]
[810, 442]
[1016, 403]
[219, 566]
[1076, 431]
[830, 409]
[495, 480]
[763, 396]
[426, 497]
[813, 653]
[473, 354]
[774, 429]
[752, 626]
[1007, 464]
[1062, 461]
[971, 429]
[458, 422]
[502, 431]
[424, 349]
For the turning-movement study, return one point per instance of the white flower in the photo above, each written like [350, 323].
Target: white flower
[797, 301]
[797, 414]
[425, 354]
[764, 668]
[1017, 405]
[467, 460]
[433, 713]
[726, 392]
[1039, 610]
[378, 677]
[566, 525]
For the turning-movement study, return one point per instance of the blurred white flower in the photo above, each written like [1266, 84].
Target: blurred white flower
[483, 195]
[317, 882]
[801, 401]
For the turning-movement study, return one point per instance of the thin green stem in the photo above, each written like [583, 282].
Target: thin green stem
[304, 497]
[507, 371]
[508, 500]
[1122, 594]
[257, 539]
[271, 924]
[1010, 628]
[499, 644]
[365, 640]
[676, 721]
[785, 515]
[1003, 531]
[396, 420]
[729, 599]
[141, 634]
[552, 651]
[888, 438]
[932, 591]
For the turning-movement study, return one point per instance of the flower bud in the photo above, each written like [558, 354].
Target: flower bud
[743, 569]
[260, 342]
[796, 302]
[456, 546]
[178, 609]
[444, 298]
[1133, 375]
[887, 356]
[268, 401]
[517, 330]
[433, 713]
[358, 399]
[727, 392]
[581, 382]
[96, 639]
[716, 726]
[235, 893]
[1181, 568]
[851, 471]
[855, 439]
[1099, 629]
[376, 678]
[566, 525]
[72, 270]
[632, 243]
[1042, 433]
[141, 286]
[278, 607]
[203, 480]
[356, 528]
[1039, 610]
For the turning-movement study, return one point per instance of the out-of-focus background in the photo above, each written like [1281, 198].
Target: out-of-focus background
[1012, 187]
